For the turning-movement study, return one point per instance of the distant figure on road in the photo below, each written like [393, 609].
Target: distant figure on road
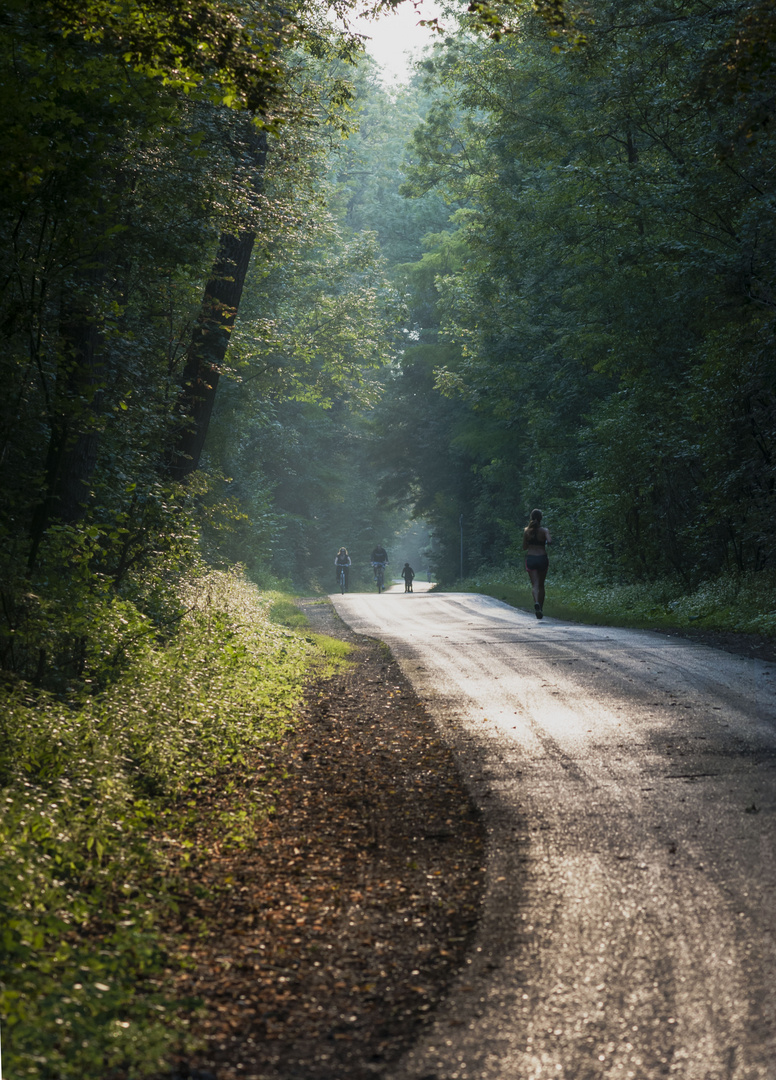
[379, 557]
[342, 561]
[408, 574]
[535, 541]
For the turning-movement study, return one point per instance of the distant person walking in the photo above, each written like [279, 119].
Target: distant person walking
[535, 541]
[408, 574]
[342, 562]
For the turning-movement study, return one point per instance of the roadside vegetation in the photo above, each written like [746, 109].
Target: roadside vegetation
[331, 653]
[735, 603]
[106, 799]
[254, 306]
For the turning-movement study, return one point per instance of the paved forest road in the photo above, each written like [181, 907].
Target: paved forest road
[629, 786]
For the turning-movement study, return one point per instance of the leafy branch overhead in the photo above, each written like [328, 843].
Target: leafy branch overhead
[236, 53]
[231, 54]
[254, 307]
[500, 17]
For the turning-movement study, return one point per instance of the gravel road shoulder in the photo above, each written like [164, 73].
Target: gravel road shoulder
[334, 934]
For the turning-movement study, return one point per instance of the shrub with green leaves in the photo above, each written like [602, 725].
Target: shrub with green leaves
[739, 602]
[89, 791]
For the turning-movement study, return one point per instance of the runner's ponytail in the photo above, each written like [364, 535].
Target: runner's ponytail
[531, 531]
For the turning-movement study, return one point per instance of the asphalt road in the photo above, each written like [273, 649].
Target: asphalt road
[628, 782]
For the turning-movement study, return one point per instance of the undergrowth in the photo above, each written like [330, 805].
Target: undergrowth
[742, 603]
[92, 791]
[332, 653]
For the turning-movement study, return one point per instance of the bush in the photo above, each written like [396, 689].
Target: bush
[740, 602]
[94, 793]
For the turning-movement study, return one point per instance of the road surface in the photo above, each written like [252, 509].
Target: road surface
[628, 782]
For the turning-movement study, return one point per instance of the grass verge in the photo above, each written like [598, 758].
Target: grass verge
[739, 603]
[101, 799]
[332, 654]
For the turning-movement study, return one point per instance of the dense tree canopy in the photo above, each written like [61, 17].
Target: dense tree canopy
[135, 182]
[560, 258]
[608, 315]
[254, 306]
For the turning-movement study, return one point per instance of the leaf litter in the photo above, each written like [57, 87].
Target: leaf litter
[322, 943]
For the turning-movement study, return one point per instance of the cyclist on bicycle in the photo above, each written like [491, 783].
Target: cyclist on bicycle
[342, 562]
[408, 574]
[379, 557]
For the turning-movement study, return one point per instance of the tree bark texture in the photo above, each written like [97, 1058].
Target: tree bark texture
[210, 340]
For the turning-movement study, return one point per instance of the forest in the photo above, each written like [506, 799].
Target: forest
[256, 305]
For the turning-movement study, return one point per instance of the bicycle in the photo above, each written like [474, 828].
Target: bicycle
[342, 579]
[379, 569]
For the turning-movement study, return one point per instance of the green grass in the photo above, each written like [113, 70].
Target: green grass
[332, 653]
[284, 612]
[735, 602]
[99, 797]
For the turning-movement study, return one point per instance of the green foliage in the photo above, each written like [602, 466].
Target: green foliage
[601, 302]
[285, 612]
[115, 188]
[333, 655]
[233, 53]
[292, 425]
[99, 590]
[368, 170]
[332, 647]
[741, 603]
[333, 651]
[94, 799]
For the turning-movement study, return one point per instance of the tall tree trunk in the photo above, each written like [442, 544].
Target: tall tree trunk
[73, 419]
[210, 339]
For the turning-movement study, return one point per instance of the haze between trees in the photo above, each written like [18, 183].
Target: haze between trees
[540, 274]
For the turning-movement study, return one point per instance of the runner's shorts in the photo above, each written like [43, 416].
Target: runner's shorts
[537, 562]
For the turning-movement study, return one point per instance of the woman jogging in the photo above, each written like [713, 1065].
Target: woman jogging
[535, 541]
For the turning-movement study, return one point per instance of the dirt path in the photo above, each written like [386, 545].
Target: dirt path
[335, 932]
[628, 785]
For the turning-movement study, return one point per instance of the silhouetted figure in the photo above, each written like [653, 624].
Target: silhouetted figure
[341, 562]
[535, 540]
[379, 557]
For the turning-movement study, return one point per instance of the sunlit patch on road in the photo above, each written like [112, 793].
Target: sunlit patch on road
[614, 769]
